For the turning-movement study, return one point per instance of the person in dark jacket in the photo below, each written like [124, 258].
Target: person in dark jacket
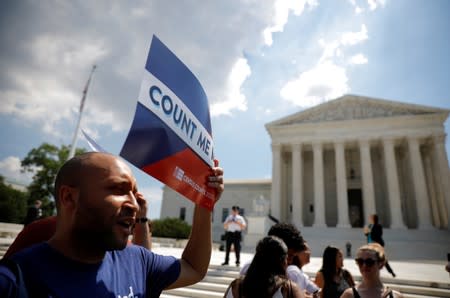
[374, 234]
[34, 212]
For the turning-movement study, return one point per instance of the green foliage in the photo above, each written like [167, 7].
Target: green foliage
[171, 228]
[44, 162]
[13, 203]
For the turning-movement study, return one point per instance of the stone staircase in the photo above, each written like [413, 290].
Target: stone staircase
[3, 249]
[219, 277]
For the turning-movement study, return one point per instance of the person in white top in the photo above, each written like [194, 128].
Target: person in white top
[234, 224]
[290, 235]
[296, 274]
[266, 276]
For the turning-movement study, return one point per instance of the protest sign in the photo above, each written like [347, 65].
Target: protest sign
[170, 137]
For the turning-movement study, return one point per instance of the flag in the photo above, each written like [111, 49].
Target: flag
[170, 137]
[93, 144]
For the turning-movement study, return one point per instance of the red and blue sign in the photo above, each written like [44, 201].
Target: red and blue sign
[170, 137]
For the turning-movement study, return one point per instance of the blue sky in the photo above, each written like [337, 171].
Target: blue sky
[257, 61]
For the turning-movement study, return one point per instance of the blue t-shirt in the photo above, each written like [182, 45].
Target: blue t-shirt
[131, 272]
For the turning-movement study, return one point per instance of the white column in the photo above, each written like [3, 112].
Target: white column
[319, 192]
[438, 187]
[420, 187]
[393, 185]
[367, 179]
[275, 200]
[341, 185]
[297, 185]
[432, 195]
[443, 172]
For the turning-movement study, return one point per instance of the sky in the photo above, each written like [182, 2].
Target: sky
[257, 61]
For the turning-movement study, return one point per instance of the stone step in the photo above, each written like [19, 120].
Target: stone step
[218, 279]
[203, 289]
[419, 296]
[225, 274]
[190, 292]
[208, 286]
[425, 291]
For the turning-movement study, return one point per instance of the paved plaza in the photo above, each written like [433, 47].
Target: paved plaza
[421, 271]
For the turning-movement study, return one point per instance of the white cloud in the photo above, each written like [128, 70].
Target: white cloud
[358, 59]
[44, 71]
[10, 168]
[282, 10]
[352, 38]
[373, 4]
[358, 9]
[48, 93]
[65, 52]
[330, 50]
[234, 99]
[328, 78]
[321, 83]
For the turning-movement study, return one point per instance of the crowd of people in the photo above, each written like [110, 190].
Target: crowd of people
[276, 268]
[99, 207]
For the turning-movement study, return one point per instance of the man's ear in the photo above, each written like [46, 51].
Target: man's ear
[68, 196]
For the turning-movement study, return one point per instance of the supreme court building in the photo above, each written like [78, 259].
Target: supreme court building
[336, 163]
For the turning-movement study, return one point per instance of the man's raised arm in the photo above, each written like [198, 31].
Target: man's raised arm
[197, 253]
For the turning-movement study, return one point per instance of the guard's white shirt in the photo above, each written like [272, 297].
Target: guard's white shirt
[233, 225]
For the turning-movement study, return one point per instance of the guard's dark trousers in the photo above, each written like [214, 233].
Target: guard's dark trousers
[235, 239]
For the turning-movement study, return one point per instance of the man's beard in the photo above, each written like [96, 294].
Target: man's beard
[92, 232]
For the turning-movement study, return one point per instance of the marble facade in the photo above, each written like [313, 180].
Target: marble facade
[338, 162]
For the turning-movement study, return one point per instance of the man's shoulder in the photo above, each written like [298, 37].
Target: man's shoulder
[34, 251]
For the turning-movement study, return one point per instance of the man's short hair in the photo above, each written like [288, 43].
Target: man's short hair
[289, 234]
[70, 172]
[235, 208]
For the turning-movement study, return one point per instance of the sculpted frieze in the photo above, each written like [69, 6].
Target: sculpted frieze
[355, 110]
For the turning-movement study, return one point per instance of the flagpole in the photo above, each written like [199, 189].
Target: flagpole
[77, 130]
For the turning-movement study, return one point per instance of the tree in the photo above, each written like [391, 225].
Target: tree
[13, 203]
[44, 162]
[171, 228]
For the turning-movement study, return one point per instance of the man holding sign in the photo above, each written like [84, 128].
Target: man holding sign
[88, 256]
[97, 201]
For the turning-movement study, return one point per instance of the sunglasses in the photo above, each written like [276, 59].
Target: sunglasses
[368, 262]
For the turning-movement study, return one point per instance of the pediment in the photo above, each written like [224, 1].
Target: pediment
[352, 107]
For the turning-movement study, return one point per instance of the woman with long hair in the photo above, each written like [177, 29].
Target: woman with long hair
[370, 259]
[332, 277]
[266, 275]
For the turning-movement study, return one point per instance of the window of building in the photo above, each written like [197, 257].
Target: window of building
[183, 213]
[242, 211]
[225, 212]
